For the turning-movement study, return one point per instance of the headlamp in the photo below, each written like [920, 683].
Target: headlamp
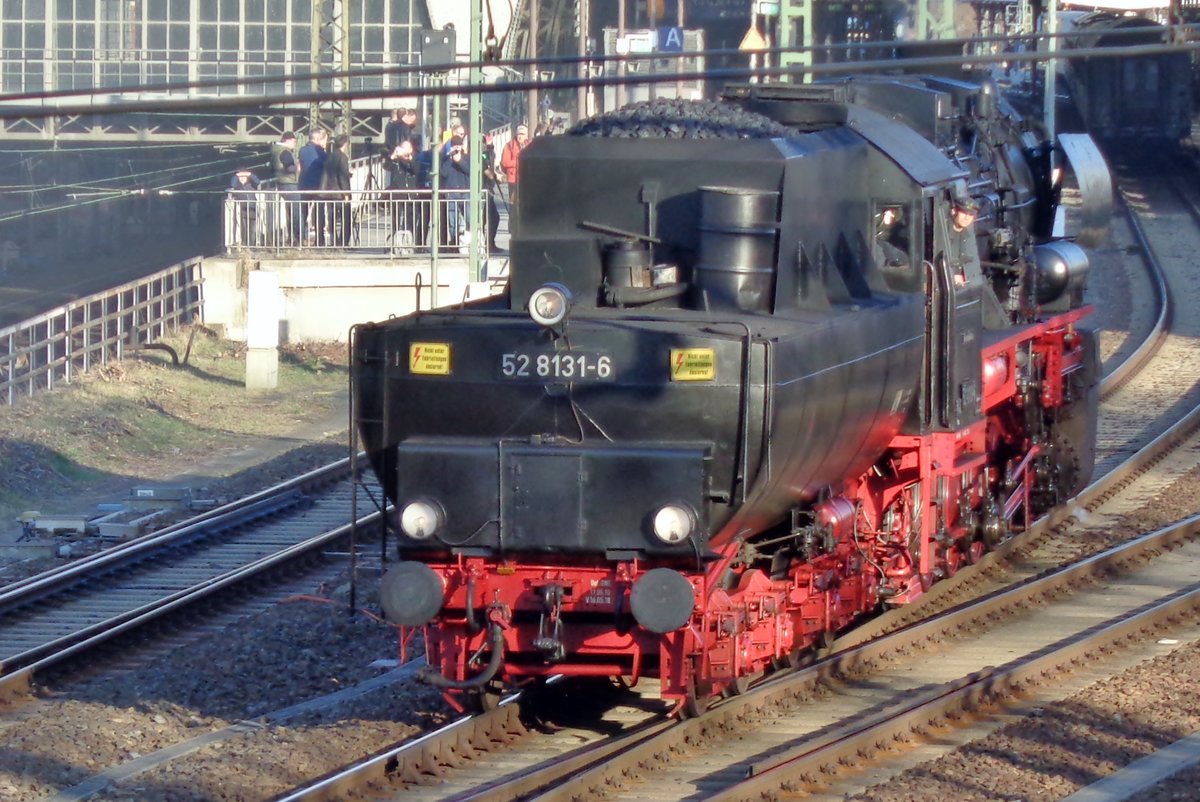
[422, 519]
[548, 305]
[673, 524]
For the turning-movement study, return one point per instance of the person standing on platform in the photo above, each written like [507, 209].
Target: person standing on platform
[456, 182]
[403, 183]
[285, 169]
[409, 118]
[312, 165]
[453, 129]
[490, 189]
[510, 159]
[335, 185]
[243, 191]
[392, 132]
[403, 127]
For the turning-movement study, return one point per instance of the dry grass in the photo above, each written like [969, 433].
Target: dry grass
[144, 419]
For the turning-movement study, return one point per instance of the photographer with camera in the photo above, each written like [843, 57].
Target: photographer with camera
[408, 208]
[456, 184]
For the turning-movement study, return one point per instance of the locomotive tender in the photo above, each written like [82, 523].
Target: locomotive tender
[748, 383]
[1146, 97]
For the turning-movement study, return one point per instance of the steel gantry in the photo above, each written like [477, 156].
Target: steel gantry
[798, 24]
[146, 49]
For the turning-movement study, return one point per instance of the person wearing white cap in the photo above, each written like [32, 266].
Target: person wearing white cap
[509, 161]
[243, 192]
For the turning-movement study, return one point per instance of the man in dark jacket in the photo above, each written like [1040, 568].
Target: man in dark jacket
[285, 169]
[335, 186]
[456, 183]
[402, 127]
[403, 186]
[490, 189]
[312, 164]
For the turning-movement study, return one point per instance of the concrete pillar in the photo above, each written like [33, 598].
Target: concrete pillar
[264, 308]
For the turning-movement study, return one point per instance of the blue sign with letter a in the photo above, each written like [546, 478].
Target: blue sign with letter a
[670, 40]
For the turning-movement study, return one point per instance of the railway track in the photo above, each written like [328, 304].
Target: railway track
[1166, 225]
[505, 754]
[868, 696]
[60, 614]
[745, 747]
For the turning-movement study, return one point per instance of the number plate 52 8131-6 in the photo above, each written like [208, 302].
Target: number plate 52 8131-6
[557, 366]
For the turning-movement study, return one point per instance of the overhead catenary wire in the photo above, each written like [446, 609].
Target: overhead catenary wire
[75, 204]
[193, 105]
[164, 181]
[1176, 36]
[71, 148]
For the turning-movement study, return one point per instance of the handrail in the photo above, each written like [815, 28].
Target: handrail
[370, 220]
[53, 346]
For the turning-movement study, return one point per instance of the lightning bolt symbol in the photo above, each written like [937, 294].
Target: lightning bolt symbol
[679, 362]
[416, 360]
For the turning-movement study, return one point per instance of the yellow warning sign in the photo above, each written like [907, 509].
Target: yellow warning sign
[753, 40]
[429, 359]
[693, 364]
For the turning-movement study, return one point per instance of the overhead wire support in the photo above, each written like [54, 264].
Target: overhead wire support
[478, 238]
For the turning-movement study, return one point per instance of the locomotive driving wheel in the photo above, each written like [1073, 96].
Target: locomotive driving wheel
[695, 704]
[824, 645]
[699, 694]
[796, 658]
[955, 558]
[1067, 467]
[974, 551]
[738, 685]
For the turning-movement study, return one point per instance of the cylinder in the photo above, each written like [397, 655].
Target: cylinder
[738, 234]
[627, 264]
[837, 514]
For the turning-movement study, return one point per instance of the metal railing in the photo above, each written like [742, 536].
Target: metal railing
[386, 222]
[51, 348]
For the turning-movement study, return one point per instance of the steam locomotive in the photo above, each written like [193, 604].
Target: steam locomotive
[757, 374]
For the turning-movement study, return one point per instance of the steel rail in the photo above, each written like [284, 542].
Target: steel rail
[24, 591]
[103, 780]
[785, 691]
[1122, 374]
[29, 663]
[428, 755]
[434, 754]
[75, 636]
[805, 763]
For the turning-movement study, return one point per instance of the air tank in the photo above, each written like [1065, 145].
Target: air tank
[738, 234]
[1061, 267]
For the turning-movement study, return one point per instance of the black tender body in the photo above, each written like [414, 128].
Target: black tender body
[808, 351]
[1128, 97]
